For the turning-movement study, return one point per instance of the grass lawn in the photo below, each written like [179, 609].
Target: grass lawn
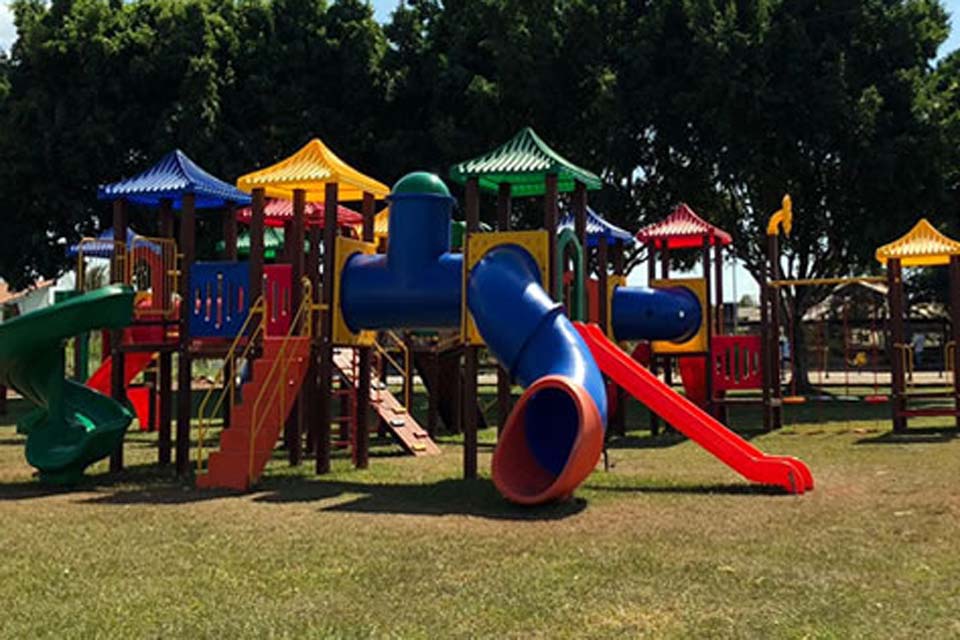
[667, 543]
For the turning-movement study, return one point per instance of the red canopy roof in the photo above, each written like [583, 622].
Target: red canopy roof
[278, 211]
[683, 229]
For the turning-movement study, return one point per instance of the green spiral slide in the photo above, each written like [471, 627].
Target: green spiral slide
[73, 426]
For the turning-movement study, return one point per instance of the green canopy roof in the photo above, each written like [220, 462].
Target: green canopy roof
[524, 163]
[272, 243]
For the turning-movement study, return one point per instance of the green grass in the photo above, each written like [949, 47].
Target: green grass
[667, 543]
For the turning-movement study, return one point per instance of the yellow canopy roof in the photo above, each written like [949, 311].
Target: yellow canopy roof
[311, 169]
[381, 225]
[923, 246]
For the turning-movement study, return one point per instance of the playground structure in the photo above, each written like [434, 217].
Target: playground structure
[300, 335]
[922, 246]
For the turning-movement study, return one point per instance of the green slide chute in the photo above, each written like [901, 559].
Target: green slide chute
[73, 426]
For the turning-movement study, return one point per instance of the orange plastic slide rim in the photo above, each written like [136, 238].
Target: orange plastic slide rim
[517, 475]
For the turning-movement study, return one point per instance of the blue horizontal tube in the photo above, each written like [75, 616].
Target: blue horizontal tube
[532, 338]
[639, 313]
[375, 295]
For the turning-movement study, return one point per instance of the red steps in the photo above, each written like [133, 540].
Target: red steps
[230, 467]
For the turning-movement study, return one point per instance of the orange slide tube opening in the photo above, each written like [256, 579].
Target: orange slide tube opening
[516, 472]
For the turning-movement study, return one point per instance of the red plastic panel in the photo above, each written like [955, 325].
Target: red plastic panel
[736, 363]
[277, 287]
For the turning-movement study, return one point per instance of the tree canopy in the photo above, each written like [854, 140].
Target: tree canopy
[725, 105]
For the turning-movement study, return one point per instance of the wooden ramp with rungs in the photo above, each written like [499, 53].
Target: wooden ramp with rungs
[231, 467]
[411, 436]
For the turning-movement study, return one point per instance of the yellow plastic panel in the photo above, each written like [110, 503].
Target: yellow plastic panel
[699, 342]
[536, 243]
[342, 336]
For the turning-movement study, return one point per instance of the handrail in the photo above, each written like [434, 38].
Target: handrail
[950, 357]
[908, 361]
[405, 370]
[229, 390]
[274, 383]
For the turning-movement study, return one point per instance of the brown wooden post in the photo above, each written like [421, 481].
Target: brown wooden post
[619, 418]
[665, 273]
[898, 374]
[718, 285]
[708, 240]
[165, 436]
[603, 259]
[361, 449]
[550, 225]
[651, 276]
[580, 213]
[773, 297]
[504, 395]
[955, 321]
[323, 400]
[313, 381]
[184, 372]
[119, 265]
[230, 233]
[468, 404]
[256, 243]
[293, 243]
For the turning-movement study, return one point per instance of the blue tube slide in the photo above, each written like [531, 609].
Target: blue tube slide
[639, 313]
[554, 436]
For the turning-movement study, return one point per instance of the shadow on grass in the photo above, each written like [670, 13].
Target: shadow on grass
[154, 486]
[699, 489]
[928, 435]
[447, 497]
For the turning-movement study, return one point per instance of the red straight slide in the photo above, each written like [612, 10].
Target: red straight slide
[738, 454]
[133, 363]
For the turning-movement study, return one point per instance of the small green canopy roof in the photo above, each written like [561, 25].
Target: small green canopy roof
[524, 163]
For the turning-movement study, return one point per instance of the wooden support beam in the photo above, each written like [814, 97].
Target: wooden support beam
[117, 387]
[603, 262]
[230, 252]
[325, 386]
[708, 303]
[361, 440]
[468, 404]
[619, 418]
[955, 321]
[550, 204]
[293, 434]
[898, 374]
[504, 394]
[184, 370]
[718, 284]
[257, 223]
[165, 435]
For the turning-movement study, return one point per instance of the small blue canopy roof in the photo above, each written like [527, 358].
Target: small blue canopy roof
[103, 246]
[596, 228]
[173, 177]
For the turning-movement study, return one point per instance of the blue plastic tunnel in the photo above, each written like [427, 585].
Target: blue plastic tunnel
[639, 313]
[554, 436]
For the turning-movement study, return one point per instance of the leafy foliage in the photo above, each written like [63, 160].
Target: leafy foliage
[726, 105]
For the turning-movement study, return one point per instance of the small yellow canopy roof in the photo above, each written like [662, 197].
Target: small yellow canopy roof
[311, 169]
[923, 246]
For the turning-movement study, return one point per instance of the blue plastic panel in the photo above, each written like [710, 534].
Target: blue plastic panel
[219, 298]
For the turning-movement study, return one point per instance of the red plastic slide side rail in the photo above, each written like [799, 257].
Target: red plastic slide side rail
[786, 472]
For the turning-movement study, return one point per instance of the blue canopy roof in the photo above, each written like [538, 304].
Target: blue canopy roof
[103, 246]
[173, 177]
[596, 228]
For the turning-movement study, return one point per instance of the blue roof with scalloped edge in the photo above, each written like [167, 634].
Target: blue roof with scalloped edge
[102, 246]
[172, 178]
[596, 228]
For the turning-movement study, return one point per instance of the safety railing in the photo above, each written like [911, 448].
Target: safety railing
[94, 248]
[907, 360]
[223, 394]
[274, 388]
[405, 370]
[149, 265]
[950, 359]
